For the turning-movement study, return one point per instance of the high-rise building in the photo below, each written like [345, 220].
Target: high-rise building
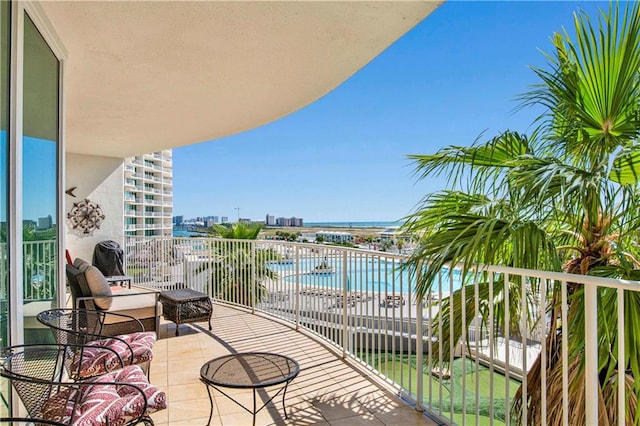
[270, 220]
[225, 219]
[148, 194]
[283, 221]
[177, 220]
[287, 221]
[45, 223]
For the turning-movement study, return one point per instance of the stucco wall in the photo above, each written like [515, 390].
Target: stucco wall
[100, 179]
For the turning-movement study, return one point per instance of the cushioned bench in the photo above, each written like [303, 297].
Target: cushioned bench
[90, 290]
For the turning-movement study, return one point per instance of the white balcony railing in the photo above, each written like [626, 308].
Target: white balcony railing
[364, 303]
[40, 270]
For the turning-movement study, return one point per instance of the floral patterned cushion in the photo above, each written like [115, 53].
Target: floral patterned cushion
[106, 404]
[95, 361]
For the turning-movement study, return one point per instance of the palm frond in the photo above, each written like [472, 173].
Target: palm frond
[626, 167]
[485, 160]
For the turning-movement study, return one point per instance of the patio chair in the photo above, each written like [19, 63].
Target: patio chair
[85, 328]
[37, 374]
[90, 290]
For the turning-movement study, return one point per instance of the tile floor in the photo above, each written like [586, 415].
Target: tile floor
[328, 390]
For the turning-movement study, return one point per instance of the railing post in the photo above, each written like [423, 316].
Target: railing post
[591, 353]
[165, 259]
[621, 359]
[253, 276]
[209, 279]
[345, 277]
[297, 287]
[419, 355]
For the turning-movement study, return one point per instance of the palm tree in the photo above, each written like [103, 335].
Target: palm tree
[237, 231]
[238, 267]
[564, 198]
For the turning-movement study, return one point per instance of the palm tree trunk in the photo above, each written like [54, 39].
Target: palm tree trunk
[607, 393]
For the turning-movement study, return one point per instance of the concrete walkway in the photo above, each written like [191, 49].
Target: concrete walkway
[328, 390]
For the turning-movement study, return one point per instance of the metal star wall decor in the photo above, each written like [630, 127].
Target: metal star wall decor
[85, 217]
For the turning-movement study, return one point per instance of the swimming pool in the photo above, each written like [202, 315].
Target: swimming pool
[373, 275]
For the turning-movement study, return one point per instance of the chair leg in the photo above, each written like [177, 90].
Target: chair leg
[146, 369]
[145, 420]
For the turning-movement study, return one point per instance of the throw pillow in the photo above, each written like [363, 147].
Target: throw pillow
[81, 264]
[99, 287]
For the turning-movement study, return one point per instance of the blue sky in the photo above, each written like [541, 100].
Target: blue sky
[343, 158]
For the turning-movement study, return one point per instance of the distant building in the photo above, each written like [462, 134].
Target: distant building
[244, 220]
[394, 235]
[335, 236]
[286, 221]
[225, 219]
[215, 219]
[44, 223]
[309, 236]
[283, 221]
[209, 220]
[177, 220]
[270, 220]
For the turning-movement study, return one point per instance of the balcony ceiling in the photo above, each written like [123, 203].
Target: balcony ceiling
[143, 76]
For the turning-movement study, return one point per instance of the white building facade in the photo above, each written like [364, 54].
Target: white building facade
[148, 194]
[335, 236]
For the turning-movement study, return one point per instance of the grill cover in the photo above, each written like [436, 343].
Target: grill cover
[108, 257]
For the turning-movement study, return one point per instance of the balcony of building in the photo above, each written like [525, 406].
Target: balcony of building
[362, 305]
[369, 348]
[329, 390]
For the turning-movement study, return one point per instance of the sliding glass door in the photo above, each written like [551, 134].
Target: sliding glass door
[30, 179]
[5, 34]
[41, 84]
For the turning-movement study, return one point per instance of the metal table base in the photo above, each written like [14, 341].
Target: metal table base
[250, 370]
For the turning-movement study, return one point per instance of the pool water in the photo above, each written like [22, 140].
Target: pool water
[382, 276]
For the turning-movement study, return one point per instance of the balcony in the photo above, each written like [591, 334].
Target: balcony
[328, 390]
[153, 190]
[356, 327]
[364, 306]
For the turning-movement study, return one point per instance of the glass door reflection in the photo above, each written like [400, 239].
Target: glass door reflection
[39, 180]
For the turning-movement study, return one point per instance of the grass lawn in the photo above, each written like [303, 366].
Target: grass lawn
[398, 369]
